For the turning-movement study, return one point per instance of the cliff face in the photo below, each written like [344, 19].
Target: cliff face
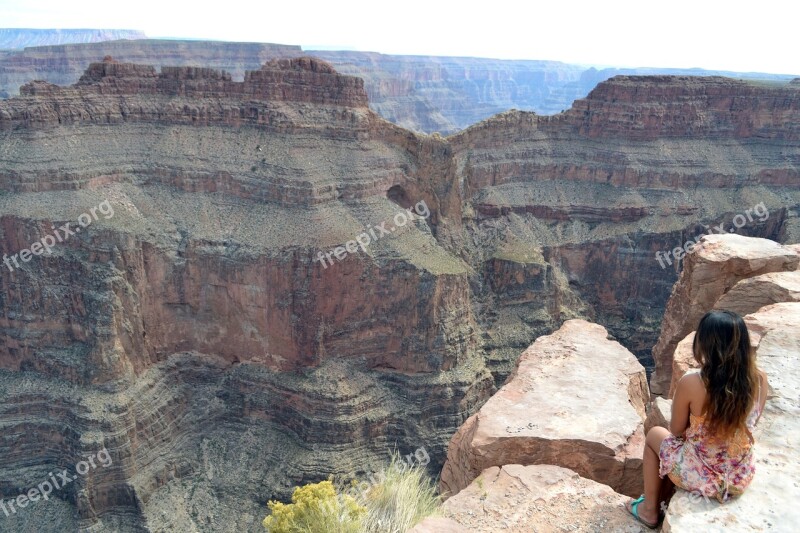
[422, 93]
[64, 64]
[447, 94]
[197, 334]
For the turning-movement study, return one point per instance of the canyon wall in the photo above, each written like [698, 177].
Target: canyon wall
[225, 337]
[422, 93]
[64, 64]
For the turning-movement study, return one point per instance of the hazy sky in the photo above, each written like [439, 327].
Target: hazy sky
[754, 36]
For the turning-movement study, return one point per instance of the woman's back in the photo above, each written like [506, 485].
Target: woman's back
[710, 463]
[735, 443]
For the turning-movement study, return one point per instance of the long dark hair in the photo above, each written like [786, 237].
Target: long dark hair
[722, 348]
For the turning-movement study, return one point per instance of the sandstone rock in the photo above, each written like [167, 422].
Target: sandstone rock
[682, 361]
[659, 413]
[770, 502]
[301, 80]
[750, 295]
[550, 411]
[438, 525]
[614, 105]
[542, 498]
[711, 270]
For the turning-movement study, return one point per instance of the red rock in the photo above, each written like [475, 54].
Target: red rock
[750, 295]
[195, 334]
[547, 413]
[711, 270]
[438, 525]
[659, 413]
[544, 498]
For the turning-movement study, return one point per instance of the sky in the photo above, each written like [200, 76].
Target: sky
[745, 37]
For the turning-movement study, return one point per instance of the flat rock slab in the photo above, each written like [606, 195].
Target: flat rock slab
[438, 524]
[540, 498]
[715, 265]
[576, 399]
[770, 502]
[750, 295]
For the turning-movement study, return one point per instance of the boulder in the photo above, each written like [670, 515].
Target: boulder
[750, 295]
[770, 502]
[576, 400]
[541, 498]
[682, 361]
[659, 412]
[710, 270]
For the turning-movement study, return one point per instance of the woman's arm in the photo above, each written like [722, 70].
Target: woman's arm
[680, 407]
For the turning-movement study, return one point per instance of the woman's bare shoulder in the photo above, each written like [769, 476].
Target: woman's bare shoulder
[692, 384]
[693, 380]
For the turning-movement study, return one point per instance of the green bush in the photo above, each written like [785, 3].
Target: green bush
[315, 508]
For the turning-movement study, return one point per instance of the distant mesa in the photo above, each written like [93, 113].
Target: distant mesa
[302, 79]
[307, 63]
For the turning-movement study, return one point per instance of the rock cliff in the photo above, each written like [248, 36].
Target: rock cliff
[517, 497]
[198, 336]
[717, 265]
[520, 499]
[544, 414]
[64, 64]
[422, 93]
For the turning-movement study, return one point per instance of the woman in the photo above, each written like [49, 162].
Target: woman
[708, 449]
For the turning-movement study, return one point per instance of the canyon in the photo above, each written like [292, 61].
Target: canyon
[426, 94]
[195, 337]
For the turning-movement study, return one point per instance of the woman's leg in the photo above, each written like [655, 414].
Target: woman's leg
[648, 509]
[666, 492]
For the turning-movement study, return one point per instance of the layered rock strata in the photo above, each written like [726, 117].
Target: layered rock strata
[64, 64]
[202, 335]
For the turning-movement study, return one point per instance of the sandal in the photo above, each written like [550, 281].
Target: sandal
[634, 510]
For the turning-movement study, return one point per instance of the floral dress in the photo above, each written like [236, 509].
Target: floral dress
[700, 463]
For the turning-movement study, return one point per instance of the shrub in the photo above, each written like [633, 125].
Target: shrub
[402, 498]
[315, 508]
[397, 499]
